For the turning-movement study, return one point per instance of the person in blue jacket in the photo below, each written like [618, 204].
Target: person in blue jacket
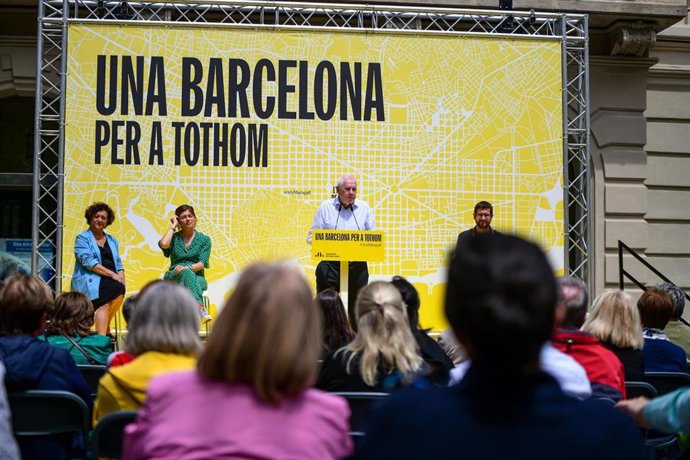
[32, 364]
[500, 301]
[98, 270]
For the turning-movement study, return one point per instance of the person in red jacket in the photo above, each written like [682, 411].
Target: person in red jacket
[604, 370]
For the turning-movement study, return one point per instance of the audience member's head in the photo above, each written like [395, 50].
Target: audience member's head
[411, 298]
[11, 265]
[678, 297]
[267, 336]
[500, 302]
[572, 303]
[25, 301]
[615, 319]
[128, 307]
[656, 308]
[165, 320]
[383, 339]
[73, 315]
[336, 329]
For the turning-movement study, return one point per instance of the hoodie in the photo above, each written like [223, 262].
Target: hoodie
[35, 365]
[124, 387]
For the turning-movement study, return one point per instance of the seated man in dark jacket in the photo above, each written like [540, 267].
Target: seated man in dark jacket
[32, 364]
[500, 302]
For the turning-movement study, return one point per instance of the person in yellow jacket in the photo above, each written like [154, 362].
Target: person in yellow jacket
[163, 336]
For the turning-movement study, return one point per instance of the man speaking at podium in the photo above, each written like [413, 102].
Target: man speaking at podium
[342, 212]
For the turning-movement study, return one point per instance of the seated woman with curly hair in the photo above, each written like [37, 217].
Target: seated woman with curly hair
[70, 328]
[98, 270]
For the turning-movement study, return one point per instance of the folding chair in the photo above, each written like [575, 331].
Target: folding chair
[361, 405]
[635, 389]
[92, 374]
[42, 416]
[666, 382]
[661, 444]
[109, 433]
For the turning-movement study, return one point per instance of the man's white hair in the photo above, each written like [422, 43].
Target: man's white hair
[339, 183]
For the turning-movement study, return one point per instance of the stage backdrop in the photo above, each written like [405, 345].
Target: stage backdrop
[253, 128]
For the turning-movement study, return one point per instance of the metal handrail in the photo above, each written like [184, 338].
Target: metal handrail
[622, 273]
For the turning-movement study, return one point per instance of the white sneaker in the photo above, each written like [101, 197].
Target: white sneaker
[205, 317]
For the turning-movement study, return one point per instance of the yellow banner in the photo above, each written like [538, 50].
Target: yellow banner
[348, 245]
[253, 127]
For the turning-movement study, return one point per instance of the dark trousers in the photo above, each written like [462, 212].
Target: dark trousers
[328, 276]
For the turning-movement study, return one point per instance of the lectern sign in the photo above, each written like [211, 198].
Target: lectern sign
[348, 245]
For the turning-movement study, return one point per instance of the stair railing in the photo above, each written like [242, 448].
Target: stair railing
[623, 274]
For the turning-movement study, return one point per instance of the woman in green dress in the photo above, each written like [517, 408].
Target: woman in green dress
[189, 252]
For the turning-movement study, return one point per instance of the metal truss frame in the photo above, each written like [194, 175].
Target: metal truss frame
[54, 16]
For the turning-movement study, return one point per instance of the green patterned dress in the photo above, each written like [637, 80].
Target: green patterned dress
[199, 251]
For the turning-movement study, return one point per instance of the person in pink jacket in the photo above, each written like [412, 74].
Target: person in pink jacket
[250, 396]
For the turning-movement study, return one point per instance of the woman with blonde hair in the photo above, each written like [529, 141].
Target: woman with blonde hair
[383, 354]
[252, 383]
[615, 320]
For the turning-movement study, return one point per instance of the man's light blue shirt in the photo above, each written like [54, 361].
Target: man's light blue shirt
[331, 215]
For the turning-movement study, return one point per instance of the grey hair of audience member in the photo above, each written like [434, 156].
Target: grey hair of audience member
[165, 320]
[341, 180]
[11, 265]
[572, 294]
[678, 297]
[500, 301]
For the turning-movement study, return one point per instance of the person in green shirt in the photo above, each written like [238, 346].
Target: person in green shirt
[70, 328]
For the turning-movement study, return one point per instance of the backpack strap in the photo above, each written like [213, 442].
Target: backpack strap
[89, 358]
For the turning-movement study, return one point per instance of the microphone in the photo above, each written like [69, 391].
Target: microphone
[355, 217]
[342, 206]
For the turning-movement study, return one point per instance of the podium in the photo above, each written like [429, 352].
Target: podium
[347, 246]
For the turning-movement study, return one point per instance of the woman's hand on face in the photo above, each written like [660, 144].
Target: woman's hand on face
[174, 221]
